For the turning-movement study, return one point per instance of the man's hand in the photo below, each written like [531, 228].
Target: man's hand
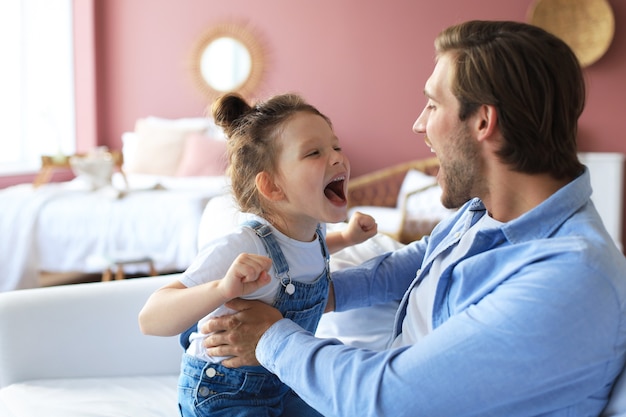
[237, 335]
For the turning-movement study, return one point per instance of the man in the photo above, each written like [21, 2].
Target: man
[516, 305]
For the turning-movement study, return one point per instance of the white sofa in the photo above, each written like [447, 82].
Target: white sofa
[76, 350]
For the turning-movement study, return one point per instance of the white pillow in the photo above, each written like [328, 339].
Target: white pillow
[413, 181]
[157, 145]
[188, 123]
[427, 203]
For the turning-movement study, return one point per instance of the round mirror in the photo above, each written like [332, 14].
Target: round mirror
[225, 64]
[227, 58]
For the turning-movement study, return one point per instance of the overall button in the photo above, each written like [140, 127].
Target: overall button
[210, 372]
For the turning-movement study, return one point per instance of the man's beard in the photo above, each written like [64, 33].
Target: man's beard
[461, 170]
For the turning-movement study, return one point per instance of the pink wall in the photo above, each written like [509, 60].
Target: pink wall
[363, 63]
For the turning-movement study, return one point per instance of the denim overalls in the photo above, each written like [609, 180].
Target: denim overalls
[210, 389]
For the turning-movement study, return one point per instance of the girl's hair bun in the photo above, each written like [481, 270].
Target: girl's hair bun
[228, 110]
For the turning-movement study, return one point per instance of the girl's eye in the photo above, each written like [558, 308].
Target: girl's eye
[313, 153]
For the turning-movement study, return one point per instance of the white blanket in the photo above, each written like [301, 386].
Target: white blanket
[66, 227]
[19, 209]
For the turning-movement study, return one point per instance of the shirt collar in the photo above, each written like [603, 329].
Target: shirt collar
[557, 209]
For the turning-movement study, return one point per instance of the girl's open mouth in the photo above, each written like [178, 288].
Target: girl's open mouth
[334, 191]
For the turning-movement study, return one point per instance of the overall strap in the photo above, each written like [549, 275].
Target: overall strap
[320, 238]
[278, 261]
[264, 231]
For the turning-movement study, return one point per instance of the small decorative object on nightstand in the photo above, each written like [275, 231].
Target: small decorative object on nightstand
[75, 162]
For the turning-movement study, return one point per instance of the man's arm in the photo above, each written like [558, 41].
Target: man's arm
[379, 280]
[517, 352]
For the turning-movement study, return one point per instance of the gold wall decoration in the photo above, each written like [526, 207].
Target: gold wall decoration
[587, 26]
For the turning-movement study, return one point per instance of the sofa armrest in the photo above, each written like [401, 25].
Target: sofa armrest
[83, 330]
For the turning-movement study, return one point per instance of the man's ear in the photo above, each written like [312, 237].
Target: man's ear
[267, 187]
[485, 121]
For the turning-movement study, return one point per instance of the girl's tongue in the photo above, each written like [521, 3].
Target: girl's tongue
[334, 192]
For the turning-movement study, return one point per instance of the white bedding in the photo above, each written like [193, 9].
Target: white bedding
[65, 227]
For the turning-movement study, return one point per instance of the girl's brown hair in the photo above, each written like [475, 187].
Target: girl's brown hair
[252, 133]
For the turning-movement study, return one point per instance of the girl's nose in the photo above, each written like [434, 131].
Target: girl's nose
[338, 157]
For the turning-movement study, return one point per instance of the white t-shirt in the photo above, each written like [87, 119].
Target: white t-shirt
[305, 259]
[422, 297]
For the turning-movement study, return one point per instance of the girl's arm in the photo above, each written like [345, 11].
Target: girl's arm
[174, 307]
[360, 228]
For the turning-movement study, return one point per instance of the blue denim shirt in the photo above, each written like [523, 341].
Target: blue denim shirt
[530, 322]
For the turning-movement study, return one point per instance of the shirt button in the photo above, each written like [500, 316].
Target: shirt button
[211, 372]
[204, 391]
[457, 235]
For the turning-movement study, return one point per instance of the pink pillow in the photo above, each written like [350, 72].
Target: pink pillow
[159, 145]
[202, 156]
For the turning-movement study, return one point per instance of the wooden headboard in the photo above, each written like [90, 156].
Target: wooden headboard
[381, 187]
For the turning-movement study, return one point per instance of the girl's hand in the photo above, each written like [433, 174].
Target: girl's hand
[247, 273]
[360, 228]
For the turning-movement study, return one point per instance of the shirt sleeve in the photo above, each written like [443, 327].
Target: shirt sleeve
[545, 340]
[381, 279]
[216, 257]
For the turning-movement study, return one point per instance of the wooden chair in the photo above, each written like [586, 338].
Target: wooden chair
[381, 188]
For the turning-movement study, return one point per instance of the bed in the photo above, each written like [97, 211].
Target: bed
[151, 209]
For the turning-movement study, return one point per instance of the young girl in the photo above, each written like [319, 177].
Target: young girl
[289, 176]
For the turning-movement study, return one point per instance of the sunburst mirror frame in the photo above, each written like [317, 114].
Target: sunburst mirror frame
[241, 33]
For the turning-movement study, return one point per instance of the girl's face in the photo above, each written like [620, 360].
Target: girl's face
[312, 174]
